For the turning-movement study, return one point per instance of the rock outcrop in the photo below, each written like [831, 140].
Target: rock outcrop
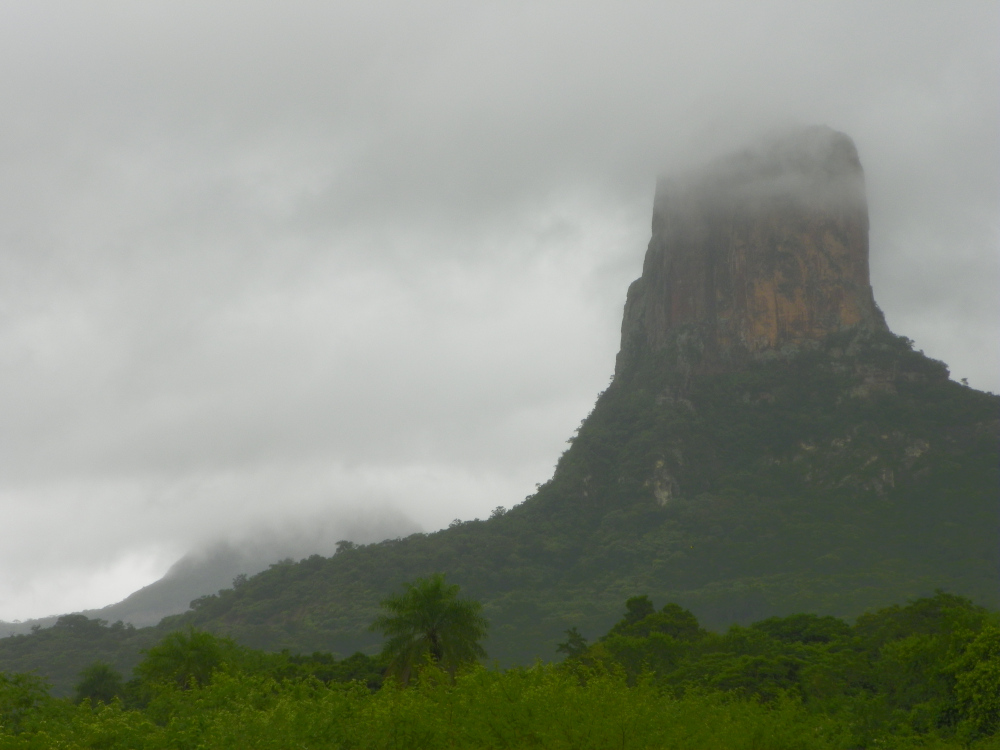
[815, 463]
[763, 250]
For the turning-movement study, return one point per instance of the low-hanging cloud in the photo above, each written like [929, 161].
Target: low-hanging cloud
[258, 261]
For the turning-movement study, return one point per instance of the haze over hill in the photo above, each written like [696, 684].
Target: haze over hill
[207, 570]
[766, 446]
[765, 250]
[256, 266]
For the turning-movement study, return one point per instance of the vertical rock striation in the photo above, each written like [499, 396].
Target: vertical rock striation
[765, 249]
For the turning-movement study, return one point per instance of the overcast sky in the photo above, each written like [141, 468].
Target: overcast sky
[299, 266]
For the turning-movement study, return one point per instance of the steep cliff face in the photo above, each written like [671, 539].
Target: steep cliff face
[765, 249]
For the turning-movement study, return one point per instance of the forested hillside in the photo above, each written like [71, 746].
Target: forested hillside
[834, 480]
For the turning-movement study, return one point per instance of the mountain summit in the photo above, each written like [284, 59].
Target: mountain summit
[762, 250]
[767, 446]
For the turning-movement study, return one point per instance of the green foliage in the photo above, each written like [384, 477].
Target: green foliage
[575, 644]
[429, 621]
[641, 620]
[977, 683]
[185, 659]
[326, 668]
[99, 682]
[637, 608]
[921, 675]
[62, 652]
[926, 668]
[803, 628]
[21, 696]
[541, 707]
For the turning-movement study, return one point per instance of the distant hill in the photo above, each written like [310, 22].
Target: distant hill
[216, 566]
[189, 578]
[766, 447]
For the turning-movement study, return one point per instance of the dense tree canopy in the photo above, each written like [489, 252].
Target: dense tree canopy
[185, 658]
[920, 675]
[99, 683]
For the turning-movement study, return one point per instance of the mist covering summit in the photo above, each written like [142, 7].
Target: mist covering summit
[767, 446]
[764, 250]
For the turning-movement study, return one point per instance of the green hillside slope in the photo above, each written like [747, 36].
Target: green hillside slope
[833, 480]
[830, 481]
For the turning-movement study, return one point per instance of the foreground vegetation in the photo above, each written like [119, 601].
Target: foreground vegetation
[922, 675]
[541, 707]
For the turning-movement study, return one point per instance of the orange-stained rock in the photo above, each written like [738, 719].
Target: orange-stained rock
[761, 250]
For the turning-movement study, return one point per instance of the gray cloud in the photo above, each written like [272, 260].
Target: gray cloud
[262, 263]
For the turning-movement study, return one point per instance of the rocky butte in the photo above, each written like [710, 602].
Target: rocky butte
[763, 251]
[766, 447]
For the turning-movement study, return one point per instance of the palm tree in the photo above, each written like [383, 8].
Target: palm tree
[428, 620]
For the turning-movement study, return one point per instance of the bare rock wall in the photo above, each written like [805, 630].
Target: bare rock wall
[761, 250]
